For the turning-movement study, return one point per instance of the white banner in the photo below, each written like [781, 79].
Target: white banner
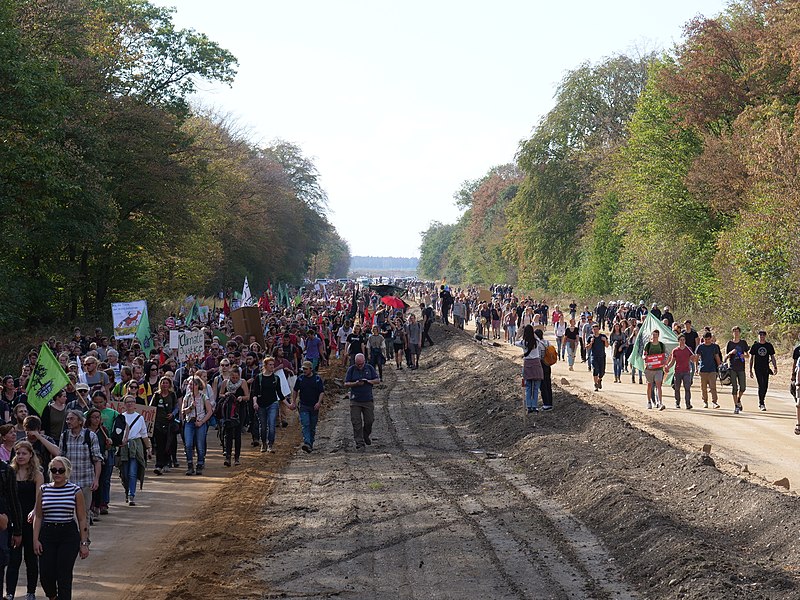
[126, 317]
[186, 343]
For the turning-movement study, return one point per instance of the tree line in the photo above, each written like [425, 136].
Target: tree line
[113, 187]
[671, 176]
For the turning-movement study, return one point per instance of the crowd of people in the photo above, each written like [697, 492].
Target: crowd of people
[57, 467]
[609, 332]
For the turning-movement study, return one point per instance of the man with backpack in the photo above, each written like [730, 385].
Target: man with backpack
[82, 448]
[710, 357]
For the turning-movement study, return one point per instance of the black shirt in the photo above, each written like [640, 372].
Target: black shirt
[691, 338]
[356, 342]
[737, 360]
[761, 353]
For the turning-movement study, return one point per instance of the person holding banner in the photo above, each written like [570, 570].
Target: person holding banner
[654, 355]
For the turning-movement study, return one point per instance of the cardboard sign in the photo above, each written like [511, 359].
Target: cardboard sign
[148, 414]
[485, 296]
[655, 361]
[186, 343]
[126, 316]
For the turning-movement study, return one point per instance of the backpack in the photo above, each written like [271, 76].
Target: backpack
[724, 374]
[118, 429]
[550, 355]
[86, 440]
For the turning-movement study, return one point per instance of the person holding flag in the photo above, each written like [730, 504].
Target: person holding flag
[46, 381]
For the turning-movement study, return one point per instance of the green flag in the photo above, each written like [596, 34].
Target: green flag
[666, 335]
[194, 313]
[298, 299]
[223, 339]
[47, 379]
[143, 333]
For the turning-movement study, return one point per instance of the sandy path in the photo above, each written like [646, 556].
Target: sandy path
[419, 515]
[128, 539]
[753, 438]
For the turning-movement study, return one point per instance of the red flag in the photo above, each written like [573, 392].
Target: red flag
[226, 309]
[265, 303]
[367, 318]
[338, 305]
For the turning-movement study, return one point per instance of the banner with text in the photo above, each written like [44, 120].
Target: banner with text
[186, 343]
[126, 317]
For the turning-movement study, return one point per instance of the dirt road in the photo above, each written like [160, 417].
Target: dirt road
[423, 513]
[462, 495]
[753, 438]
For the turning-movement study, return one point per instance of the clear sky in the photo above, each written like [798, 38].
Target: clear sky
[398, 103]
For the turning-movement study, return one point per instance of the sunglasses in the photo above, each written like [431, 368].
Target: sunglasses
[56, 470]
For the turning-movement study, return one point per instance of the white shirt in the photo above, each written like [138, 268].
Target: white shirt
[535, 353]
[139, 429]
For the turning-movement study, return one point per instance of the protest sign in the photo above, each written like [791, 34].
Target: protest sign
[126, 316]
[186, 343]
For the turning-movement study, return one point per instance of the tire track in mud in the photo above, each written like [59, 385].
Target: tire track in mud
[574, 560]
[414, 516]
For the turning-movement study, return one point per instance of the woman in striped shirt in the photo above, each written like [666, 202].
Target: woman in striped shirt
[57, 540]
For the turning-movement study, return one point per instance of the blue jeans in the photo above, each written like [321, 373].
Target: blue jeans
[308, 421]
[195, 436]
[618, 360]
[560, 346]
[532, 393]
[570, 353]
[133, 472]
[267, 418]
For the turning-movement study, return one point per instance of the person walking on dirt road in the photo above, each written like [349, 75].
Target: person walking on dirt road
[360, 378]
[710, 357]
[682, 358]
[596, 345]
[738, 354]
[761, 354]
[532, 372]
[427, 316]
[654, 354]
[307, 398]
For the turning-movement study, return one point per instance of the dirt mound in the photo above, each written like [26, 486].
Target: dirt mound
[677, 525]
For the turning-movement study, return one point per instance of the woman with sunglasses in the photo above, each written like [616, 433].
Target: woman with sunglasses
[57, 541]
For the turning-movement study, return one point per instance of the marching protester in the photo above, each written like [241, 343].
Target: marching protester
[134, 451]
[738, 354]
[654, 354]
[596, 344]
[82, 448]
[196, 412]
[307, 399]
[267, 397]
[360, 378]
[25, 465]
[57, 540]
[532, 371]
[762, 353]
[681, 358]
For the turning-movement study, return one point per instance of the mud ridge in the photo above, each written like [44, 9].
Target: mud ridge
[676, 525]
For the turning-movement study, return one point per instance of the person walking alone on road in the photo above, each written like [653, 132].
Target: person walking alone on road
[359, 379]
[761, 354]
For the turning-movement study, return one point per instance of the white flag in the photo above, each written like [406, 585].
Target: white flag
[247, 297]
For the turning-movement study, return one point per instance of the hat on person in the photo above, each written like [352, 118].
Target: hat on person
[72, 364]
[82, 387]
[641, 302]
[307, 364]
